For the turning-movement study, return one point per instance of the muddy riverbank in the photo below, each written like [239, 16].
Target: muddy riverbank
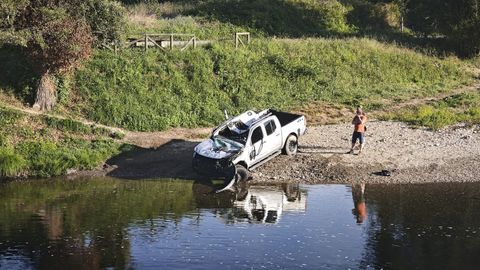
[405, 154]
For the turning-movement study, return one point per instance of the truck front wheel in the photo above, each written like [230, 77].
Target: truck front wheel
[242, 174]
[291, 145]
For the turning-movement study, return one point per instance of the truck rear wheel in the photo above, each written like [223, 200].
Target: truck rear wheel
[242, 174]
[291, 145]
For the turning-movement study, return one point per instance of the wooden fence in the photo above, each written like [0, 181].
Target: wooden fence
[169, 41]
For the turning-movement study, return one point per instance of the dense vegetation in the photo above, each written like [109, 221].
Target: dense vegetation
[450, 25]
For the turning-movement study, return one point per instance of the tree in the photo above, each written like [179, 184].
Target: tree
[457, 21]
[9, 11]
[106, 18]
[58, 34]
[58, 42]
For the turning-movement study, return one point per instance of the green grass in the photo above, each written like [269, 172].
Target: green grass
[70, 125]
[462, 108]
[48, 158]
[214, 19]
[156, 90]
[47, 146]
[10, 162]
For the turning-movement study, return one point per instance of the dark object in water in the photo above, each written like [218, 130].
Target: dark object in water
[383, 173]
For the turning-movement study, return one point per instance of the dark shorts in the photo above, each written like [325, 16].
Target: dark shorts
[358, 136]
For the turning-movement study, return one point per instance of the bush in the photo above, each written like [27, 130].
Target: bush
[374, 16]
[67, 125]
[11, 164]
[107, 18]
[9, 117]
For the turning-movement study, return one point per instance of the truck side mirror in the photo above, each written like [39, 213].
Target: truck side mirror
[252, 154]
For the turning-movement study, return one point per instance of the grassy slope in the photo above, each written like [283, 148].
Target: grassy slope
[463, 108]
[156, 90]
[44, 146]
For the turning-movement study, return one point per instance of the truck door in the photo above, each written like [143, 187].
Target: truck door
[274, 136]
[257, 150]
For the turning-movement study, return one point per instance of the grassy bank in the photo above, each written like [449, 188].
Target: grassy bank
[463, 108]
[155, 90]
[43, 146]
[218, 19]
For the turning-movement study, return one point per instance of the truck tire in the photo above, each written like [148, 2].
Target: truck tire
[291, 145]
[242, 174]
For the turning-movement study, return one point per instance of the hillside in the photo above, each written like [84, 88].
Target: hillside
[155, 91]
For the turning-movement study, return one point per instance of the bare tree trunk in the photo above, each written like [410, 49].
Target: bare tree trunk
[46, 94]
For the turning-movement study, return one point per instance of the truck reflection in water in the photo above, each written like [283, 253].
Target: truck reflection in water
[262, 204]
[254, 204]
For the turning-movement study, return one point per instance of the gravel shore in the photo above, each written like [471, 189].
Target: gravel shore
[408, 155]
[405, 154]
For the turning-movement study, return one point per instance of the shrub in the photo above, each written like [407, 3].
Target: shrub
[9, 117]
[11, 164]
[66, 125]
[105, 17]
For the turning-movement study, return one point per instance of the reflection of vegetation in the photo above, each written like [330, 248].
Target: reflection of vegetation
[432, 226]
[87, 218]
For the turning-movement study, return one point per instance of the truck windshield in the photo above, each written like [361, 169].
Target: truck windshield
[226, 145]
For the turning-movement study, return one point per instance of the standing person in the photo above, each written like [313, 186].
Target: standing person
[359, 129]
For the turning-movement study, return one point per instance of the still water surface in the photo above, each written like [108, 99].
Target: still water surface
[108, 223]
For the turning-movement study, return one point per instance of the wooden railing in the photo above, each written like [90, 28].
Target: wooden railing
[169, 41]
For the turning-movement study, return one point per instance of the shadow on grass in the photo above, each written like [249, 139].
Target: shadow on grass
[17, 75]
[293, 20]
[270, 17]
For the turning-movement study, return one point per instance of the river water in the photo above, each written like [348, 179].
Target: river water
[176, 224]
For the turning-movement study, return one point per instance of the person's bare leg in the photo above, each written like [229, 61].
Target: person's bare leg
[361, 148]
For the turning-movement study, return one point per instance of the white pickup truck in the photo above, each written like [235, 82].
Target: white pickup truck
[244, 142]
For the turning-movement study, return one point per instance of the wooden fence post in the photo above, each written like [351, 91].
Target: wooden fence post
[146, 42]
[238, 38]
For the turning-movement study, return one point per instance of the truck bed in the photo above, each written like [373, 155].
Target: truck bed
[285, 118]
